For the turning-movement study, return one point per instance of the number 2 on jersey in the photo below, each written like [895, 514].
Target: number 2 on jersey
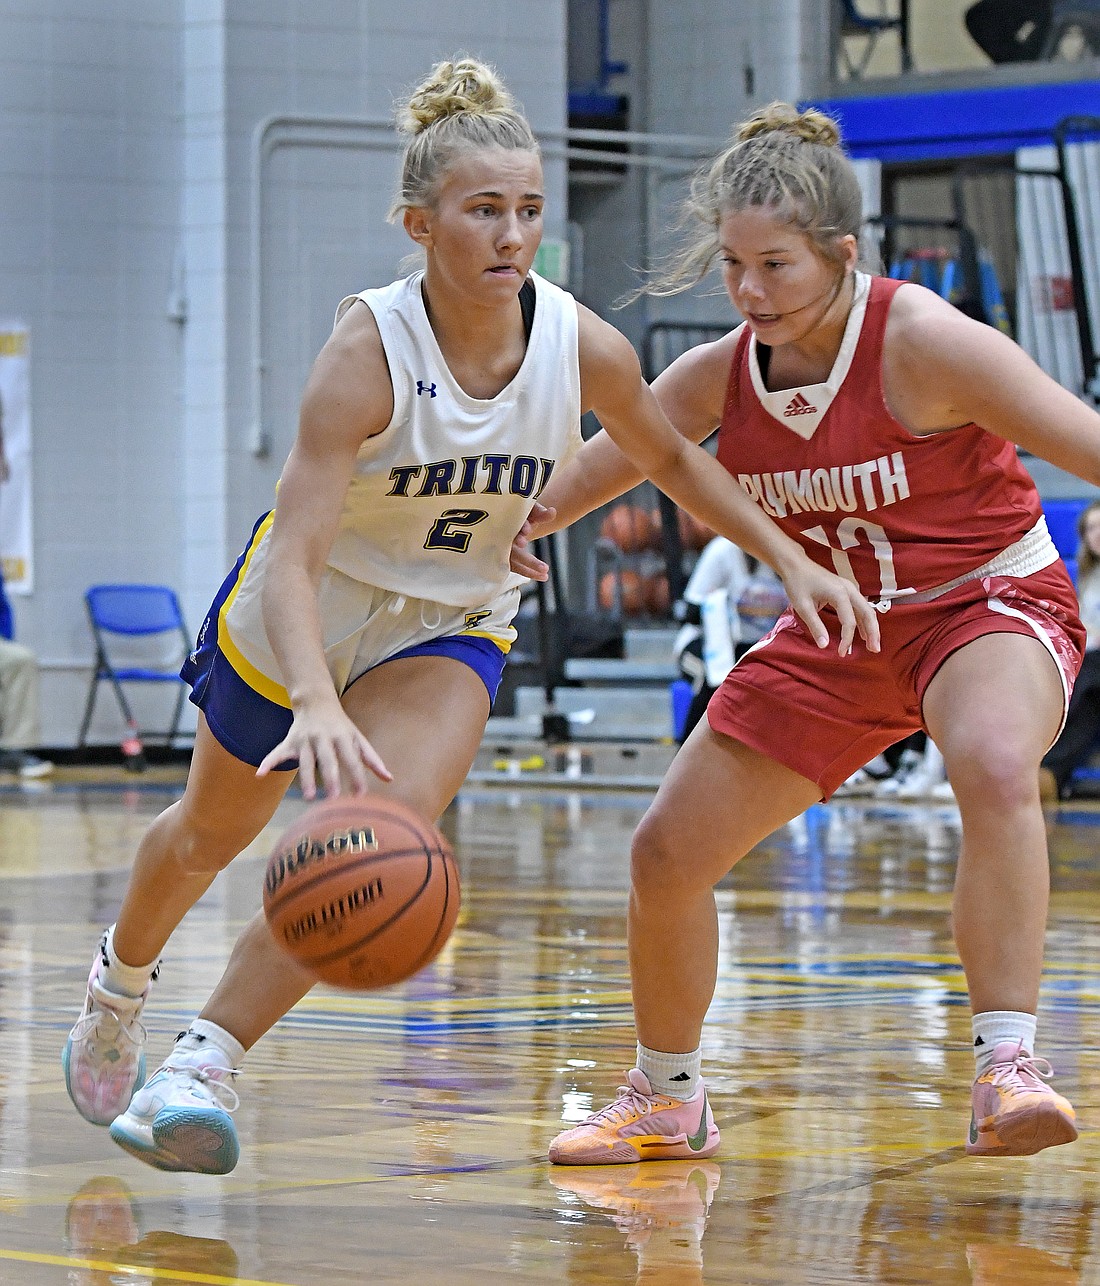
[447, 530]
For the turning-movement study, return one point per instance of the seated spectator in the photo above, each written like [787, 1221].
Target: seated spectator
[1009, 31]
[18, 686]
[19, 712]
[1082, 725]
[911, 769]
[751, 601]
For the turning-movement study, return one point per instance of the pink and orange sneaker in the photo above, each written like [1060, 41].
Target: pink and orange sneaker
[1014, 1112]
[641, 1126]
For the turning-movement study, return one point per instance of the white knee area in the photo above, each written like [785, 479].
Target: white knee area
[649, 858]
[1002, 779]
[660, 868]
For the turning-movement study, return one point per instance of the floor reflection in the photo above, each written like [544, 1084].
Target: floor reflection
[104, 1239]
[660, 1208]
[400, 1136]
[992, 1265]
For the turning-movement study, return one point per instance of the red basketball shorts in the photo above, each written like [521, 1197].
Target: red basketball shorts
[824, 715]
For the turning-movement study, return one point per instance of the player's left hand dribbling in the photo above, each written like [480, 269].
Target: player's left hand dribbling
[331, 752]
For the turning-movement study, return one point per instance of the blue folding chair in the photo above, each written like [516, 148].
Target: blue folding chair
[148, 616]
[7, 623]
[854, 22]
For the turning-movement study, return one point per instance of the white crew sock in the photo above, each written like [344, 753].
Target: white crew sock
[123, 979]
[996, 1026]
[205, 1044]
[676, 1075]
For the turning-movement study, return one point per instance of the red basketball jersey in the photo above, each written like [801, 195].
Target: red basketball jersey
[862, 494]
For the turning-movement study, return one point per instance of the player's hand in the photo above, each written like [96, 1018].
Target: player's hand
[811, 588]
[522, 560]
[330, 751]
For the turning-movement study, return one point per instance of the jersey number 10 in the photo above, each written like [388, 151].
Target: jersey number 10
[848, 534]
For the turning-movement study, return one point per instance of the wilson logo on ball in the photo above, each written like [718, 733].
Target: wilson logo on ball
[330, 917]
[308, 851]
[362, 892]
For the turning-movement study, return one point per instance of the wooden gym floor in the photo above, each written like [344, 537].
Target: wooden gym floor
[400, 1136]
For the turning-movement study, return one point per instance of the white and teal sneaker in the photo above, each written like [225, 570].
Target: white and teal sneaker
[180, 1120]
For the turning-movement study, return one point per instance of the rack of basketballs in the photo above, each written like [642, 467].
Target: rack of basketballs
[627, 573]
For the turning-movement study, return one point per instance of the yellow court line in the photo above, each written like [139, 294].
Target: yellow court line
[403, 1007]
[834, 982]
[934, 957]
[275, 1187]
[143, 1270]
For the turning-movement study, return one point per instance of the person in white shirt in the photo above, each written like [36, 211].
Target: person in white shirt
[730, 602]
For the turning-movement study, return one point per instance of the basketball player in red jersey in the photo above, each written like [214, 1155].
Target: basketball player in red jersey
[875, 424]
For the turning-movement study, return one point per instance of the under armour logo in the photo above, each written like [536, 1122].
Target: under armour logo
[421, 387]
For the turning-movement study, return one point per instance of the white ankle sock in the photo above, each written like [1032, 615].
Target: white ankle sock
[676, 1075]
[997, 1025]
[205, 1044]
[123, 979]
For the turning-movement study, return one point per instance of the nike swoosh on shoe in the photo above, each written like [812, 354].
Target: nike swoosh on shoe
[698, 1140]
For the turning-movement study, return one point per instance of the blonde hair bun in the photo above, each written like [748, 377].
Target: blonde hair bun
[462, 85]
[461, 106]
[810, 126]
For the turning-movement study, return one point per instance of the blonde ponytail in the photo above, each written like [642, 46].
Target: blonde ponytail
[779, 158]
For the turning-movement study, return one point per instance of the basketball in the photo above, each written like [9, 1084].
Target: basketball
[622, 592]
[361, 891]
[628, 527]
[694, 535]
[655, 589]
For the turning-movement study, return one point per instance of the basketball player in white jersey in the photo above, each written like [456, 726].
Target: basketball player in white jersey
[875, 424]
[378, 593]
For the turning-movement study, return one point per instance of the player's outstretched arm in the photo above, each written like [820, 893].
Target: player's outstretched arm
[613, 388]
[689, 391]
[944, 369]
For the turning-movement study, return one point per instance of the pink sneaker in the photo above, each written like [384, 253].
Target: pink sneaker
[641, 1126]
[1014, 1112]
[104, 1058]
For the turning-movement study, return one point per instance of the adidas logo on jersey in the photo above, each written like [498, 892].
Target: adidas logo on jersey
[799, 406]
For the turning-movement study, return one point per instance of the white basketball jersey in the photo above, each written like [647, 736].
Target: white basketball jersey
[439, 494]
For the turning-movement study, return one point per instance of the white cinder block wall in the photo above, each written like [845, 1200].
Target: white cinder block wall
[128, 200]
[695, 68]
[153, 156]
[90, 194]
